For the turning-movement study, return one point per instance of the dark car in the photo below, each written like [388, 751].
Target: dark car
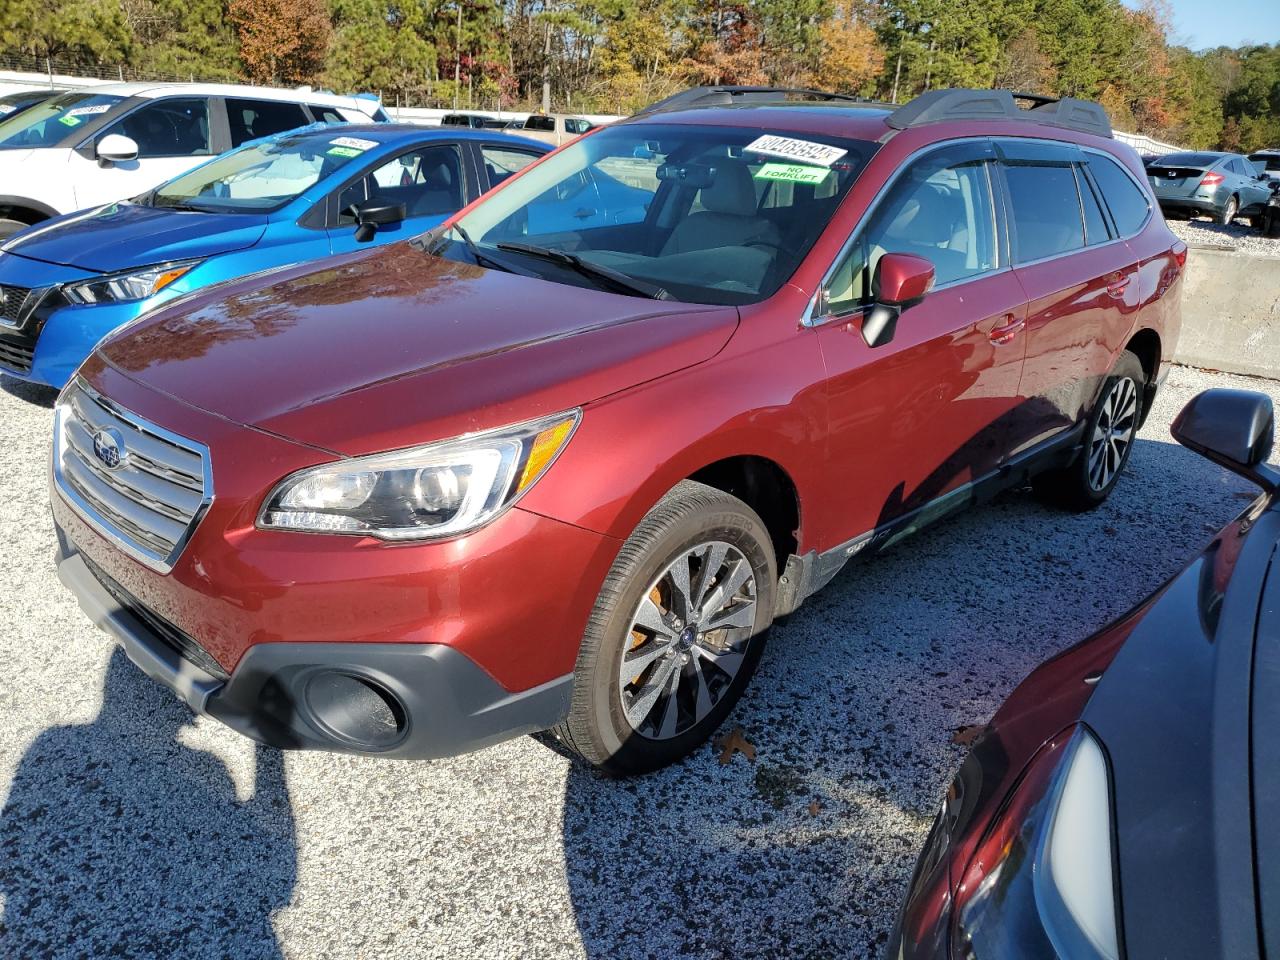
[1120, 802]
[1220, 185]
[560, 462]
[12, 104]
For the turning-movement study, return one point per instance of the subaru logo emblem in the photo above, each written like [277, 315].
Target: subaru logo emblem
[108, 447]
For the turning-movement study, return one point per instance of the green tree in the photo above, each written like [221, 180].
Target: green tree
[72, 31]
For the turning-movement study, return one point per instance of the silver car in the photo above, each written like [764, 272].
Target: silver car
[1220, 185]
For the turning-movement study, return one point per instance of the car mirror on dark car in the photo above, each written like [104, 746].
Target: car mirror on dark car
[374, 213]
[901, 280]
[1233, 428]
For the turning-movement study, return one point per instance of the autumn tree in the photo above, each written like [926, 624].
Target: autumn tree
[851, 54]
[282, 42]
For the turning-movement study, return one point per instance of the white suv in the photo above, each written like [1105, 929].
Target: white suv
[101, 144]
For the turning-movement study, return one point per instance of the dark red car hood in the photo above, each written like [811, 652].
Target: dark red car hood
[392, 347]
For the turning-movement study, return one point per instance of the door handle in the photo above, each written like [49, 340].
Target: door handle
[1116, 288]
[1006, 331]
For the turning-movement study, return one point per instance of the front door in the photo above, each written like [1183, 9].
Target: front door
[929, 412]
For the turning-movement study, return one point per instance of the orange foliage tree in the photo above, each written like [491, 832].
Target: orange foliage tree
[282, 41]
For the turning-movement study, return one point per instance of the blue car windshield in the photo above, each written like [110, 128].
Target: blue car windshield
[264, 176]
[48, 124]
[716, 215]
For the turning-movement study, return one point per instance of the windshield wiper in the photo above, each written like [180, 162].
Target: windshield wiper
[481, 258]
[614, 278]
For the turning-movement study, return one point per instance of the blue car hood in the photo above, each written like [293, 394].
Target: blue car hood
[122, 235]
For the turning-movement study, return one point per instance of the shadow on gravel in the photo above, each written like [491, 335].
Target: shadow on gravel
[806, 852]
[116, 840]
[34, 393]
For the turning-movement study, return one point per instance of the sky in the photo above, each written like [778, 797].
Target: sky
[1202, 24]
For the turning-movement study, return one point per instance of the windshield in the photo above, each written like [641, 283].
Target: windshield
[1189, 159]
[1270, 160]
[47, 124]
[263, 176]
[715, 215]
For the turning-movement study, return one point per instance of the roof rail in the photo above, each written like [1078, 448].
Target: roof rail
[937, 106]
[723, 96]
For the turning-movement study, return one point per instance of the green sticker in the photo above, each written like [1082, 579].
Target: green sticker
[70, 121]
[343, 152]
[792, 173]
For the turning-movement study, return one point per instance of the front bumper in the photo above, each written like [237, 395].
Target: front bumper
[404, 700]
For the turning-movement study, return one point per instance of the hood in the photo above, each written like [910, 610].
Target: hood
[393, 347]
[121, 236]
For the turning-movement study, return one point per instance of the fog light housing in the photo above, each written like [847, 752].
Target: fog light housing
[355, 710]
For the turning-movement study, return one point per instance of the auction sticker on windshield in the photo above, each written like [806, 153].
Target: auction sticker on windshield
[349, 146]
[792, 173]
[805, 151]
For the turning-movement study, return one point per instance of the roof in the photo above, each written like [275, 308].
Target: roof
[384, 133]
[859, 121]
[152, 90]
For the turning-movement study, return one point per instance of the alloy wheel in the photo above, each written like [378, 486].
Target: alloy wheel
[1113, 433]
[687, 640]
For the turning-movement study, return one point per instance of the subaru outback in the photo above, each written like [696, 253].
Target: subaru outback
[534, 472]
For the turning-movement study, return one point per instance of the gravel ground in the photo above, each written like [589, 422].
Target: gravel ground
[131, 829]
[1238, 235]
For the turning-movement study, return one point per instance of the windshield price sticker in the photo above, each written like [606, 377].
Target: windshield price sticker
[69, 120]
[805, 151]
[343, 152]
[89, 111]
[792, 173]
[353, 143]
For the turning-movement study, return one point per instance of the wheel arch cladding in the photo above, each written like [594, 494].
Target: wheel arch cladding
[764, 486]
[1146, 346]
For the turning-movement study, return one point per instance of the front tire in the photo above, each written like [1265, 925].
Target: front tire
[1109, 434]
[676, 632]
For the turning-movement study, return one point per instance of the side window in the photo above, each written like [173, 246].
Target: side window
[1125, 199]
[940, 209]
[577, 126]
[1047, 218]
[168, 128]
[536, 122]
[501, 162]
[326, 114]
[1095, 224]
[427, 181]
[251, 119]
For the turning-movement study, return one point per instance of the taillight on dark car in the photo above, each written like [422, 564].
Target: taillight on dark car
[1211, 180]
[1040, 885]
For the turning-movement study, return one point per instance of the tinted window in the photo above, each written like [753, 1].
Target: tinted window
[941, 210]
[1190, 159]
[251, 119]
[1046, 210]
[1124, 198]
[501, 162]
[327, 114]
[536, 122]
[168, 128]
[577, 126]
[51, 122]
[427, 181]
[1271, 160]
[1095, 224]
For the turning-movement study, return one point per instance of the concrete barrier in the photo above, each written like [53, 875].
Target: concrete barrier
[1231, 312]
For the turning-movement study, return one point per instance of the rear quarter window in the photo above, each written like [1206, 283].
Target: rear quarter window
[1125, 199]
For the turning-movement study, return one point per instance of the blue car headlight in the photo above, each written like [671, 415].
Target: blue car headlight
[127, 287]
[1041, 885]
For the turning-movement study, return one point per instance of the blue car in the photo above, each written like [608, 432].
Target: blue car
[311, 193]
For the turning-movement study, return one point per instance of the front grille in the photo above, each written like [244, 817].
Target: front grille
[16, 355]
[184, 644]
[142, 486]
[13, 304]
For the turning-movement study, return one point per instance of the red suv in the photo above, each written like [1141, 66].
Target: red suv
[560, 463]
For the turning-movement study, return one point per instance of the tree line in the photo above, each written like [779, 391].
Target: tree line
[613, 56]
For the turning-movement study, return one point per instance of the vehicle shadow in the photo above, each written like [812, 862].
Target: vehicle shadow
[33, 393]
[806, 851]
[117, 840]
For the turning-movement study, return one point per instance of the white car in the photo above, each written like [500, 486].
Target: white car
[100, 144]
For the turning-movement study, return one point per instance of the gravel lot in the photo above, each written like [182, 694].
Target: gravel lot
[1238, 235]
[130, 829]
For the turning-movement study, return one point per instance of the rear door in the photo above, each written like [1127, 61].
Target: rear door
[1079, 279]
[928, 413]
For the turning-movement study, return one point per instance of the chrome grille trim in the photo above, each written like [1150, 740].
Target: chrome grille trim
[149, 505]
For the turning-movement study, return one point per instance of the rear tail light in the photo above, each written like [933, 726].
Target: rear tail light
[1211, 180]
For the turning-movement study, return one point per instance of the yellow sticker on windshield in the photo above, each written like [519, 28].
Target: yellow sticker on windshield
[792, 173]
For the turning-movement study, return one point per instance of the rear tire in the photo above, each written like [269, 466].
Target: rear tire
[1229, 212]
[1109, 435]
[659, 609]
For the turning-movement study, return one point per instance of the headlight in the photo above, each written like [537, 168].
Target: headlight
[1041, 884]
[438, 490]
[126, 287]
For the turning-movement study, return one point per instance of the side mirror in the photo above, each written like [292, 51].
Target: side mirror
[116, 148]
[1233, 428]
[374, 213]
[901, 280]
